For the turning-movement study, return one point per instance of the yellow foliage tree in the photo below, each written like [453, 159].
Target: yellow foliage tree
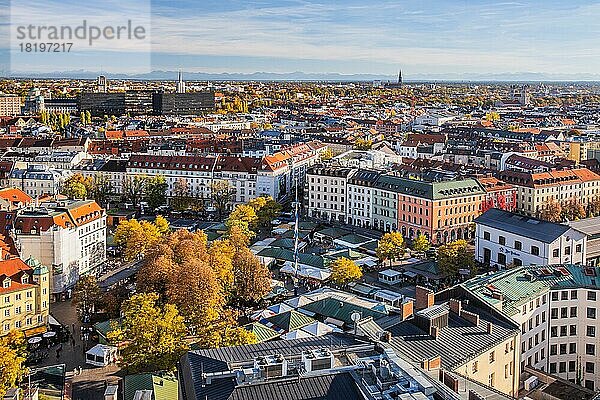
[390, 246]
[344, 271]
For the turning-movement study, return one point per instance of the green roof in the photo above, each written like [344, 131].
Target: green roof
[290, 320]
[262, 333]
[164, 385]
[341, 310]
[105, 326]
[429, 190]
[520, 285]
[354, 239]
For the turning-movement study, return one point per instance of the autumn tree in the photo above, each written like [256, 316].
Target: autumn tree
[421, 244]
[326, 154]
[363, 144]
[154, 335]
[551, 211]
[155, 191]
[134, 188]
[266, 209]
[244, 214]
[136, 237]
[181, 198]
[86, 295]
[222, 194]
[13, 353]
[112, 300]
[344, 271]
[101, 189]
[77, 187]
[455, 256]
[390, 246]
[252, 280]
[573, 210]
[162, 225]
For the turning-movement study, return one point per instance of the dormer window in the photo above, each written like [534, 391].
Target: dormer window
[6, 283]
[25, 279]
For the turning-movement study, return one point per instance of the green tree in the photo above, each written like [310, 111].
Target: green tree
[455, 256]
[390, 246]
[155, 191]
[344, 271]
[86, 295]
[101, 190]
[154, 336]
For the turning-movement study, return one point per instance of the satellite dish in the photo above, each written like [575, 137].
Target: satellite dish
[355, 316]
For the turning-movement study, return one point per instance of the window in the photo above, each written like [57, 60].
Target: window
[492, 356]
[486, 235]
[573, 312]
[475, 367]
[563, 312]
[568, 250]
[553, 350]
[578, 248]
[590, 349]
[535, 250]
[573, 294]
[589, 384]
[562, 349]
[572, 330]
[589, 367]
[553, 368]
[591, 295]
[554, 313]
[562, 366]
[491, 380]
[501, 258]
[554, 331]
[518, 245]
[501, 240]
[564, 295]
[591, 312]
[555, 253]
[571, 366]
[572, 348]
[554, 296]
[591, 331]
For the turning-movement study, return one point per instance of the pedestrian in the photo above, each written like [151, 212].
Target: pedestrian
[73, 341]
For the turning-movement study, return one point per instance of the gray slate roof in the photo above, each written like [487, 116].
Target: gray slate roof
[533, 228]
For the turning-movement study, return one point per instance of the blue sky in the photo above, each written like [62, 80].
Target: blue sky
[352, 36]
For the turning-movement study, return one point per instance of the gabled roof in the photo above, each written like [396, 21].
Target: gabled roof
[290, 320]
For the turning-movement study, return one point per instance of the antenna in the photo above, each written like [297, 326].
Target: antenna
[296, 230]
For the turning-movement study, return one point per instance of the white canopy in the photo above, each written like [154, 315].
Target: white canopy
[317, 328]
[306, 271]
[297, 334]
[262, 314]
[280, 308]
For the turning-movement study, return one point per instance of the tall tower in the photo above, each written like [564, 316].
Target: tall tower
[102, 84]
[180, 83]
[400, 78]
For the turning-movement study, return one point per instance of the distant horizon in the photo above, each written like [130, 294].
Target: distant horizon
[298, 76]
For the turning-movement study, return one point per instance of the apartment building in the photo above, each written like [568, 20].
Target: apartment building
[10, 106]
[556, 307]
[69, 237]
[328, 192]
[24, 295]
[534, 190]
[38, 180]
[359, 200]
[503, 238]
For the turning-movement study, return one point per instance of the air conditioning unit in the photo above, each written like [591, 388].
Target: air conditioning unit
[271, 366]
[531, 382]
[319, 359]
[247, 375]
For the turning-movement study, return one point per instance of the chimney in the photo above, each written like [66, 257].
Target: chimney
[489, 328]
[425, 298]
[455, 306]
[471, 317]
[407, 309]
[434, 331]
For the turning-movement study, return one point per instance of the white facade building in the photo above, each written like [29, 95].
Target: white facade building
[503, 238]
